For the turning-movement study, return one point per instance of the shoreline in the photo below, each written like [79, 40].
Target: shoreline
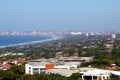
[30, 43]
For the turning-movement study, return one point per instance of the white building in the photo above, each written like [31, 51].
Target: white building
[87, 34]
[54, 64]
[117, 73]
[113, 36]
[76, 33]
[36, 66]
[94, 74]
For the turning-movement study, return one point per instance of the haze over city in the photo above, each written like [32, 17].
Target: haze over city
[62, 15]
[59, 39]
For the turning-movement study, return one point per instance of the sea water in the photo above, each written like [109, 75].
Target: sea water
[10, 40]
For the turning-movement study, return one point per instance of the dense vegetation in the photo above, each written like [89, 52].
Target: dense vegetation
[17, 73]
[84, 46]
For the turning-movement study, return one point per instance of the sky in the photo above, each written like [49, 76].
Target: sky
[60, 15]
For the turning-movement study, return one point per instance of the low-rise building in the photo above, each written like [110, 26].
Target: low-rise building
[18, 61]
[94, 74]
[11, 54]
[54, 65]
[63, 72]
[5, 66]
[98, 74]
[41, 67]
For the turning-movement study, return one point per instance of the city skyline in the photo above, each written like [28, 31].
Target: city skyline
[52, 15]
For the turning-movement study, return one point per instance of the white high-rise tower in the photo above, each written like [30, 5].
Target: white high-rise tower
[113, 36]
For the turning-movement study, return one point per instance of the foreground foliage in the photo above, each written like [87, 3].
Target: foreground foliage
[17, 73]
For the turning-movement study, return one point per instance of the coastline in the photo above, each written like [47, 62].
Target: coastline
[31, 42]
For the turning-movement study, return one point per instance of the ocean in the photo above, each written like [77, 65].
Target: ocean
[10, 40]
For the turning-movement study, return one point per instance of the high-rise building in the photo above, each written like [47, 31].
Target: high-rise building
[113, 36]
[86, 34]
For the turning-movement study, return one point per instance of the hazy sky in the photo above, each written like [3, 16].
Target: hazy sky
[63, 15]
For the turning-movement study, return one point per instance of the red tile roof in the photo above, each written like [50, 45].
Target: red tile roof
[7, 65]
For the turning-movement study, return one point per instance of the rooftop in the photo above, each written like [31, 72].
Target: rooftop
[65, 72]
[115, 72]
[38, 63]
[94, 71]
[72, 63]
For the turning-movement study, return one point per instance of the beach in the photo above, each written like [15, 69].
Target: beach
[10, 41]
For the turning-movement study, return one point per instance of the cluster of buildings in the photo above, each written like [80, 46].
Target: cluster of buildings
[37, 32]
[34, 32]
[97, 74]
[59, 65]
[6, 64]
[84, 33]
[11, 54]
[113, 35]
[66, 66]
